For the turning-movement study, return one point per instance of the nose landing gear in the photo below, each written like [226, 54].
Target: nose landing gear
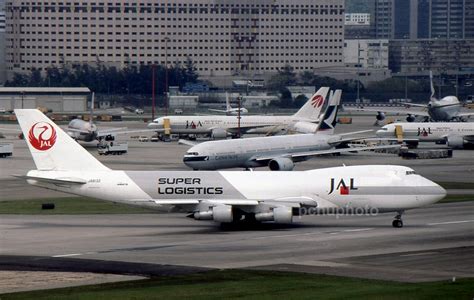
[398, 223]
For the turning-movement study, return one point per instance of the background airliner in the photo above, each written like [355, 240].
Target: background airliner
[225, 197]
[279, 153]
[456, 135]
[444, 110]
[219, 127]
[87, 131]
[230, 111]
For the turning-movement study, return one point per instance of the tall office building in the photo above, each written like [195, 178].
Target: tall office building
[222, 37]
[417, 19]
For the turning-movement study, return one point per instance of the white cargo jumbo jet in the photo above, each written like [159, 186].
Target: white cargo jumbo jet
[219, 127]
[225, 197]
[279, 153]
[457, 135]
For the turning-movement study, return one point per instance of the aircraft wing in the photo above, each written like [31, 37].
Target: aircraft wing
[76, 130]
[389, 110]
[218, 110]
[297, 201]
[187, 142]
[469, 114]
[323, 152]
[117, 131]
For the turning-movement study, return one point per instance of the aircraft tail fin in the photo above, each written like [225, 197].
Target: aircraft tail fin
[227, 102]
[432, 87]
[51, 147]
[329, 121]
[312, 108]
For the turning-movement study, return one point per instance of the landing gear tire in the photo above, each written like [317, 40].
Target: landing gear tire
[397, 223]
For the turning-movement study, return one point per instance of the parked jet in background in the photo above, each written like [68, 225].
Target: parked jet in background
[87, 131]
[225, 197]
[444, 110]
[219, 127]
[230, 111]
[279, 153]
[454, 134]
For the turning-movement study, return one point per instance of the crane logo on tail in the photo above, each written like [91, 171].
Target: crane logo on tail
[317, 101]
[42, 136]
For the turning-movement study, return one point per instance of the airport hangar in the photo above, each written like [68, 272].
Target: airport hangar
[57, 99]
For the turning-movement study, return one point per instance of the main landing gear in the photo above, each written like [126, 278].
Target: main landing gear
[398, 223]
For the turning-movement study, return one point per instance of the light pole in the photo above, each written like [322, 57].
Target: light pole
[167, 39]
[153, 91]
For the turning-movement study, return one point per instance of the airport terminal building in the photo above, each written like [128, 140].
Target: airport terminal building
[222, 37]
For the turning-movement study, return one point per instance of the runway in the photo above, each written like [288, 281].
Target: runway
[435, 244]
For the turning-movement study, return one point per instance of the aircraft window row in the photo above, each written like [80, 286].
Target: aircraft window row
[411, 173]
[192, 153]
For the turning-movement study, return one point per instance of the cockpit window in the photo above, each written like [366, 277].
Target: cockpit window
[192, 153]
[411, 172]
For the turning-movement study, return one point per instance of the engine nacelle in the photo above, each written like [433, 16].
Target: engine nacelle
[219, 134]
[455, 141]
[220, 213]
[281, 215]
[281, 164]
[305, 127]
[380, 116]
[411, 118]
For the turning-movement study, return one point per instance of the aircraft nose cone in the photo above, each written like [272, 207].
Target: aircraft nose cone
[435, 193]
[379, 133]
[152, 125]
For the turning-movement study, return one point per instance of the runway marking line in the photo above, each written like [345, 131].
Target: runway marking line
[66, 255]
[451, 222]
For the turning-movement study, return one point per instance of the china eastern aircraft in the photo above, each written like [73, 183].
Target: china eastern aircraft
[438, 110]
[63, 165]
[230, 111]
[219, 127]
[279, 153]
[456, 135]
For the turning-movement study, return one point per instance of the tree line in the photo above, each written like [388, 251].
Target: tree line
[111, 80]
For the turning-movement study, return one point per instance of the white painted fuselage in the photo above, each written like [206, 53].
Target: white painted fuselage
[385, 188]
[215, 155]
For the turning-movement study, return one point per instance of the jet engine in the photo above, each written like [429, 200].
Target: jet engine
[220, 213]
[455, 141]
[410, 118]
[281, 164]
[282, 215]
[380, 116]
[218, 134]
[305, 127]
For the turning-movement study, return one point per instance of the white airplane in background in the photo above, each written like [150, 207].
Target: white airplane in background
[279, 153]
[63, 165]
[87, 131]
[220, 127]
[444, 110]
[230, 111]
[456, 135]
